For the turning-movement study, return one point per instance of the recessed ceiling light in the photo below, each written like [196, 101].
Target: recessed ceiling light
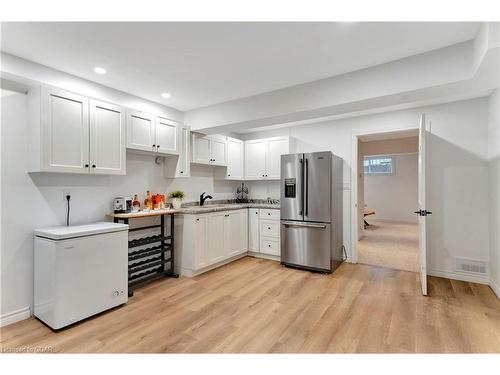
[165, 95]
[99, 70]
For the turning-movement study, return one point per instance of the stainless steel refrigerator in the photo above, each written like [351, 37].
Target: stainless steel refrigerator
[311, 211]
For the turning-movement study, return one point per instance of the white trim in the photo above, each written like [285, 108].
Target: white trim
[495, 288]
[354, 185]
[191, 273]
[462, 276]
[264, 256]
[15, 316]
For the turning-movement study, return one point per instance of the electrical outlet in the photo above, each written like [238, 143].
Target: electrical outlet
[66, 192]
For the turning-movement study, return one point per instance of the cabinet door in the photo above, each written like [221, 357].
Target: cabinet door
[65, 132]
[255, 159]
[107, 138]
[253, 230]
[166, 136]
[232, 233]
[184, 169]
[244, 230]
[234, 159]
[275, 147]
[216, 250]
[200, 242]
[201, 149]
[140, 131]
[219, 150]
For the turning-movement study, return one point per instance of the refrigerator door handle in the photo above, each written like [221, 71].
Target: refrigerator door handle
[301, 210]
[306, 188]
[294, 224]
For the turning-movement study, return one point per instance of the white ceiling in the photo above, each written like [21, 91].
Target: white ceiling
[201, 64]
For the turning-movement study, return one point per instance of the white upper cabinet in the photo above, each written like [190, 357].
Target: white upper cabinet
[255, 159]
[107, 138]
[275, 147]
[72, 134]
[166, 136]
[64, 131]
[209, 149]
[149, 133]
[140, 131]
[235, 156]
[179, 166]
[263, 157]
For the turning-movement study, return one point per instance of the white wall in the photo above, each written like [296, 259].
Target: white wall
[494, 157]
[457, 176]
[394, 197]
[35, 200]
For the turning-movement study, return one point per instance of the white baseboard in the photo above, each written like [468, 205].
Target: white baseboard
[191, 273]
[264, 256]
[462, 276]
[495, 288]
[15, 316]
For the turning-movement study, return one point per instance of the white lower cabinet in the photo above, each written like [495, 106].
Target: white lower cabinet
[206, 240]
[264, 231]
[253, 230]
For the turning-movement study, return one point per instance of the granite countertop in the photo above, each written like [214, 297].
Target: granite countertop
[215, 206]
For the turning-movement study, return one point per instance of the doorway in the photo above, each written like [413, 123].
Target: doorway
[387, 196]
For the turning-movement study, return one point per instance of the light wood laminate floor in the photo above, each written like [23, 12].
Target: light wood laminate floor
[257, 306]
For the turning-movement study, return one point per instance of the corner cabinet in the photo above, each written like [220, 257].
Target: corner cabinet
[210, 240]
[209, 149]
[179, 165]
[71, 133]
[151, 134]
[263, 157]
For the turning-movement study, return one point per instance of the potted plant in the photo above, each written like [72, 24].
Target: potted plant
[177, 196]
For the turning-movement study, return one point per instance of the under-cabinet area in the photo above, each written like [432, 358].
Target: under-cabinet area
[208, 240]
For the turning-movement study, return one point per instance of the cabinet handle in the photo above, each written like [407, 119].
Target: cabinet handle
[182, 171]
[157, 146]
[93, 165]
[197, 219]
[268, 245]
[266, 175]
[269, 214]
[86, 165]
[269, 228]
[263, 176]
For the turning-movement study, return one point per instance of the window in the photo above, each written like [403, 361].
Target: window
[378, 165]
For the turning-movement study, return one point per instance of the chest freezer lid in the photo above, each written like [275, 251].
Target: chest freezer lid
[63, 232]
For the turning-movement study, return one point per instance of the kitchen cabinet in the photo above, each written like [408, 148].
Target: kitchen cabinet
[217, 242]
[150, 133]
[211, 239]
[235, 156]
[264, 232]
[209, 149]
[107, 139]
[200, 242]
[166, 139]
[253, 230]
[255, 159]
[179, 165]
[263, 156]
[71, 133]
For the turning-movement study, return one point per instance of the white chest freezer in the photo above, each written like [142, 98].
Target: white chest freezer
[79, 271]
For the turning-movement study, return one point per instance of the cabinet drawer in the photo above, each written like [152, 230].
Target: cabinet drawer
[269, 214]
[270, 228]
[270, 245]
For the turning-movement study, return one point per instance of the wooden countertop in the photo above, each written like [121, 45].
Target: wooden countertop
[134, 215]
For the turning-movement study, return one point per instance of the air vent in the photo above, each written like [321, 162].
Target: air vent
[470, 266]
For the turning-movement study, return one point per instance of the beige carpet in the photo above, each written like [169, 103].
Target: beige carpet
[390, 244]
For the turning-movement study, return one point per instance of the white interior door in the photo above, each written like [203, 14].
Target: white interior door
[422, 206]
